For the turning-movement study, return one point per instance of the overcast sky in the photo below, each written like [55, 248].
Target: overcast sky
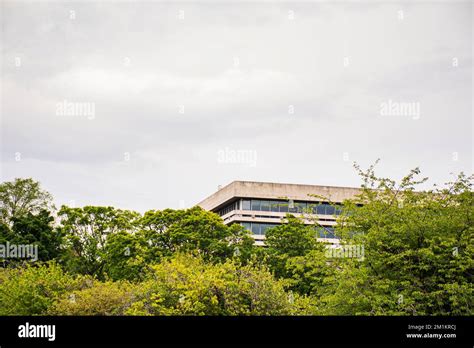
[299, 90]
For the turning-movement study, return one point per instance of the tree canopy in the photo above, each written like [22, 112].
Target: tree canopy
[413, 255]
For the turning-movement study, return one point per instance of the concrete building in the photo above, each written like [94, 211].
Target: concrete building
[261, 205]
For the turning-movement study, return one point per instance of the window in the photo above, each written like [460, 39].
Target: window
[246, 204]
[330, 210]
[274, 206]
[300, 207]
[266, 227]
[288, 206]
[311, 208]
[321, 209]
[255, 229]
[291, 206]
[247, 225]
[255, 204]
[228, 208]
[265, 205]
[283, 207]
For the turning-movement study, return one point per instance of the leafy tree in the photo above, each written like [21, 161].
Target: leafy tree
[169, 231]
[186, 285]
[22, 196]
[295, 254]
[86, 231]
[419, 248]
[125, 256]
[33, 229]
[292, 238]
[161, 234]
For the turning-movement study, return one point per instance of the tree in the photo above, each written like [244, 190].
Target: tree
[20, 197]
[126, 256]
[295, 254]
[86, 231]
[31, 290]
[188, 285]
[419, 248]
[37, 230]
[194, 229]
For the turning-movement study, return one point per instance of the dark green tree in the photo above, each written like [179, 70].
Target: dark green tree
[86, 231]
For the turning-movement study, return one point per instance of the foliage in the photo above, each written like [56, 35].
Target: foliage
[20, 197]
[419, 248]
[102, 298]
[31, 290]
[187, 285]
[86, 231]
[171, 231]
[295, 254]
[418, 257]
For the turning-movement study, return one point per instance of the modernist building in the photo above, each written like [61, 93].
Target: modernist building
[261, 205]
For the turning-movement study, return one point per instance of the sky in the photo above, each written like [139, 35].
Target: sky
[153, 104]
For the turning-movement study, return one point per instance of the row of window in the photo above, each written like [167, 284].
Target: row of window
[260, 228]
[290, 207]
[229, 208]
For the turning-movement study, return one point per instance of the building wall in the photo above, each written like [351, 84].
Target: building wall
[228, 202]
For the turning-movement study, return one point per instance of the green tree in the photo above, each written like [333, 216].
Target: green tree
[38, 230]
[295, 254]
[187, 285]
[419, 248]
[126, 256]
[31, 290]
[194, 229]
[22, 196]
[86, 231]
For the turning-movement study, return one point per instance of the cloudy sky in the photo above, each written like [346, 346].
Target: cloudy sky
[147, 105]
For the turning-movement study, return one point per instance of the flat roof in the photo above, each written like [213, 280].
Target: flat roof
[270, 190]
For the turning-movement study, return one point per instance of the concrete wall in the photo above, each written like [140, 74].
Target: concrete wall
[266, 190]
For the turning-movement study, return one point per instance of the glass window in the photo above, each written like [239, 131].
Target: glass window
[338, 209]
[274, 206]
[255, 229]
[291, 206]
[330, 210]
[246, 204]
[247, 225]
[255, 204]
[321, 209]
[283, 207]
[300, 207]
[265, 205]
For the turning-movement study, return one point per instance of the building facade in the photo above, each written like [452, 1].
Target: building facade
[259, 206]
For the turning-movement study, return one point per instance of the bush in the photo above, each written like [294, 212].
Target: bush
[31, 290]
[108, 298]
[186, 285]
